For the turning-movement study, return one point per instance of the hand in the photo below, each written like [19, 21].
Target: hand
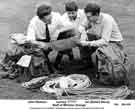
[84, 43]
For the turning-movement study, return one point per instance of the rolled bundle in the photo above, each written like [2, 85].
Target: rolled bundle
[82, 81]
[98, 93]
[74, 81]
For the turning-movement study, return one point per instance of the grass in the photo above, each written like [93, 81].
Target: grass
[15, 16]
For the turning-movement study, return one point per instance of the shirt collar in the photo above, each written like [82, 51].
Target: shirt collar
[78, 15]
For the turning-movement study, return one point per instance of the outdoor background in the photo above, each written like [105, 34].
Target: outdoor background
[15, 16]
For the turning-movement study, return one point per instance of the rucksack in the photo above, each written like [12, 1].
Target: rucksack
[112, 65]
[37, 66]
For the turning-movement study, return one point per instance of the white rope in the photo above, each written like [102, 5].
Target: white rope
[98, 93]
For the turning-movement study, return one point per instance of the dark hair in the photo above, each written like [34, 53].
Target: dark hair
[93, 8]
[71, 6]
[43, 10]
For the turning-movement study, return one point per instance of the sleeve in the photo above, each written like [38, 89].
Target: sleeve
[82, 31]
[58, 26]
[105, 35]
[82, 17]
[31, 32]
[65, 21]
[62, 25]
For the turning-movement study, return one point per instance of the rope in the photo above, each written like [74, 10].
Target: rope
[98, 93]
[61, 84]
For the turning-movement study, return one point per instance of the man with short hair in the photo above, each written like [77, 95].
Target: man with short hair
[44, 27]
[73, 17]
[101, 25]
[44, 20]
[107, 39]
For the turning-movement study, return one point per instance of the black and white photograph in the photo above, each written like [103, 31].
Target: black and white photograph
[67, 50]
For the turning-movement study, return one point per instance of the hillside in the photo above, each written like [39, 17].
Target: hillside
[15, 16]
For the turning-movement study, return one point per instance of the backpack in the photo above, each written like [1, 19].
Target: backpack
[112, 65]
[37, 66]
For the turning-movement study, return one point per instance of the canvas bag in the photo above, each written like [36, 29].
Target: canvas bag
[37, 66]
[112, 65]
